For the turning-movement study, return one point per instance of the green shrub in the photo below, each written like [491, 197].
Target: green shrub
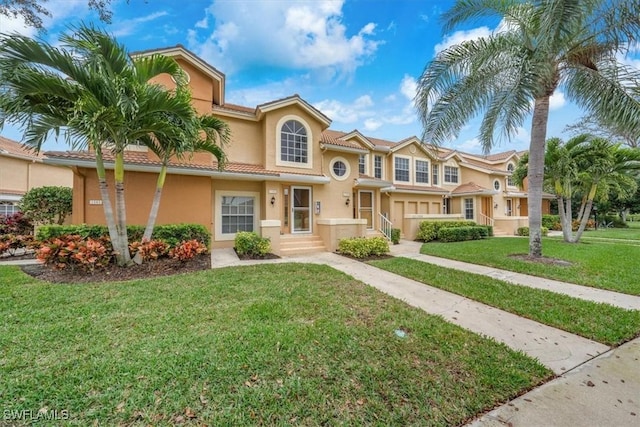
[250, 244]
[395, 236]
[172, 234]
[458, 234]
[363, 247]
[615, 221]
[489, 230]
[428, 230]
[47, 205]
[524, 231]
[551, 222]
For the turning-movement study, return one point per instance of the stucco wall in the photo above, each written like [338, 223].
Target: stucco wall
[22, 175]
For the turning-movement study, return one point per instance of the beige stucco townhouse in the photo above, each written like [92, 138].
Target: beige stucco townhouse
[293, 179]
[21, 170]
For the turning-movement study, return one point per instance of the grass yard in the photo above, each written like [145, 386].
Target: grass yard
[269, 344]
[608, 266]
[631, 233]
[599, 322]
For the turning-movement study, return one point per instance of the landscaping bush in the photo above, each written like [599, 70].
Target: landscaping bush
[395, 236]
[172, 234]
[47, 205]
[74, 251]
[363, 247]
[551, 222]
[188, 250]
[149, 250]
[615, 222]
[524, 231]
[428, 230]
[15, 224]
[459, 234]
[250, 244]
[9, 243]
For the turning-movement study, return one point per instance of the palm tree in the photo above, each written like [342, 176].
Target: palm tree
[91, 91]
[540, 46]
[202, 133]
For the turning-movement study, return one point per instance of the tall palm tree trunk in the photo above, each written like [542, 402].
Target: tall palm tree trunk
[121, 211]
[106, 204]
[586, 213]
[536, 173]
[153, 213]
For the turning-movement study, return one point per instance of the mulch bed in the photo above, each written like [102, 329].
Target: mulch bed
[158, 268]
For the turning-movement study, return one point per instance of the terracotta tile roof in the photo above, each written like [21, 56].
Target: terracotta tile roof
[470, 187]
[13, 192]
[13, 148]
[483, 165]
[235, 107]
[334, 138]
[500, 156]
[140, 158]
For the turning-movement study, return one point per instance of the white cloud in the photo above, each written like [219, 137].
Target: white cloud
[408, 87]
[557, 101]
[352, 112]
[469, 146]
[129, 26]
[371, 125]
[461, 36]
[295, 35]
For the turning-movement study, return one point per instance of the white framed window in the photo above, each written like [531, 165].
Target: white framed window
[401, 169]
[8, 208]
[422, 172]
[451, 175]
[293, 143]
[377, 167]
[496, 185]
[468, 208]
[435, 174]
[362, 164]
[339, 168]
[510, 181]
[236, 211]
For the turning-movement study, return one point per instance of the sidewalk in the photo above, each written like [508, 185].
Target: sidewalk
[596, 386]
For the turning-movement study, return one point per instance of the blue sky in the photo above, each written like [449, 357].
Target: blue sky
[355, 60]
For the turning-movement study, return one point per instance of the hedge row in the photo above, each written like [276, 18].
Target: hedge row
[428, 230]
[435, 230]
[172, 234]
[363, 247]
[524, 231]
[459, 234]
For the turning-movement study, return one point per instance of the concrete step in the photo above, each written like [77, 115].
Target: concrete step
[302, 244]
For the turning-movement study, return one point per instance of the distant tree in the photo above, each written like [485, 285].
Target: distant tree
[32, 11]
[47, 205]
[592, 125]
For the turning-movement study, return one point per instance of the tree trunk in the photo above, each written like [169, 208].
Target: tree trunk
[106, 204]
[586, 213]
[153, 213]
[121, 211]
[566, 234]
[536, 173]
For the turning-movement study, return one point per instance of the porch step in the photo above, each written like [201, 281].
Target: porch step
[291, 245]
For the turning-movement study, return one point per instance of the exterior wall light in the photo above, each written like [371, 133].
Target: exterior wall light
[273, 200]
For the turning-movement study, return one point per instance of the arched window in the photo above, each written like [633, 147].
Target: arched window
[294, 146]
[510, 182]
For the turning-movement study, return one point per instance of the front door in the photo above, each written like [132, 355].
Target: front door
[301, 209]
[509, 207]
[365, 207]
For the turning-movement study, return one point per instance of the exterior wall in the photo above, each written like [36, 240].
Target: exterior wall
[23, 175]
[247, 141]
[331, 231]
[405, 206]
[184, 198]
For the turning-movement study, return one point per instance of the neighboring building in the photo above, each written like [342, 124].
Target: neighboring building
[292, 179]
[21, 169]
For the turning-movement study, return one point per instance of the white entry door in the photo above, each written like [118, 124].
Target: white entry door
[301, 209]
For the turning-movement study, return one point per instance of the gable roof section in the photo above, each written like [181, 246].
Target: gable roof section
[427, 149]
[471, 188]
[293, 100]
[179, 51]
[334, 140]
[17, 150]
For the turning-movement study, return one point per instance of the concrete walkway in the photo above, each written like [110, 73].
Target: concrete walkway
[596, 386]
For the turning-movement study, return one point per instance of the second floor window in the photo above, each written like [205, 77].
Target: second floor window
[436, 174]
[294, 146]
[422, 172]
[362, 164]
[401, 169]
[510, 181]
[450, 175]
[377, 167]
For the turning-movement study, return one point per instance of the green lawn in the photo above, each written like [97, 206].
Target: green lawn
[602, 265]
[599, 322]
[269, 344]
[631, 233]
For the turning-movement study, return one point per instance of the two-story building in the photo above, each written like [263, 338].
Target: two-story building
[303, 185]
[21, 170]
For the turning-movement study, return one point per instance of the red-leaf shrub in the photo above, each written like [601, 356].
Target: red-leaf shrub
[9, 243]
[75, 252]
[16, 223]
[149, 249]
[187, 250]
